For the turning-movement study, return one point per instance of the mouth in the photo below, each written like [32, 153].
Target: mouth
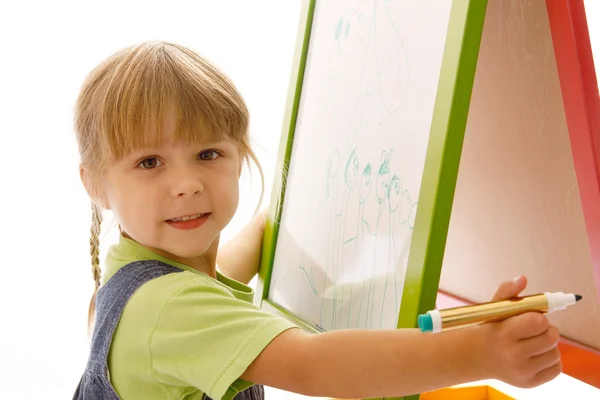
[188, 222]
[187, 217]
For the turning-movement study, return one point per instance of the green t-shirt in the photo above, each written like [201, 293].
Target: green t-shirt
[185, 334]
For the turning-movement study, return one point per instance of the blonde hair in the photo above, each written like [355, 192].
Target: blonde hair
[123, 105]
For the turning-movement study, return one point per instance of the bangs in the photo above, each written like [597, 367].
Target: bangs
[144, 89]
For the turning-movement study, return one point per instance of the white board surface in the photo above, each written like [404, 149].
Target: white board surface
[357, 161]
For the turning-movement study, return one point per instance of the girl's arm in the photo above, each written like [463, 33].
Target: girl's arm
[521, 351]
[240, 257]
[366, 363]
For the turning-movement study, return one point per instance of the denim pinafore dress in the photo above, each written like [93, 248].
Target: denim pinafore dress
[110, 303]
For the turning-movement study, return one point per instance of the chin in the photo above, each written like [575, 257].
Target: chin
[188, 251]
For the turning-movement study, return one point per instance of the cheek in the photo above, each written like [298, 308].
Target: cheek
[132, 206]
[234, 196]
[226, 194]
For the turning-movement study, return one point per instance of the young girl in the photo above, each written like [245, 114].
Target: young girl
[162, 136]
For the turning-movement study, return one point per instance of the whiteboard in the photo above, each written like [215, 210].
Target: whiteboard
[360, 140]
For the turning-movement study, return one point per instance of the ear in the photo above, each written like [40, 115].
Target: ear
[93, 189]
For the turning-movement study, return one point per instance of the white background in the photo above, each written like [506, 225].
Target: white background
[47, 48]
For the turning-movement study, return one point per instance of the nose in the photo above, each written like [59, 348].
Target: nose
[186, 181]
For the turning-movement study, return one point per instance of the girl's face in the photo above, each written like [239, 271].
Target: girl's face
[152, 191]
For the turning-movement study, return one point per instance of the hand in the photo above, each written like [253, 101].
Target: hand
[239, 258]
[523, 349]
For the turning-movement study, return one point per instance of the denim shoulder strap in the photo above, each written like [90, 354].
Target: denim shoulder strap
[110, 303]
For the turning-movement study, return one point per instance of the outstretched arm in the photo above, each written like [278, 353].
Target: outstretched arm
[239, 258]
[369, 363]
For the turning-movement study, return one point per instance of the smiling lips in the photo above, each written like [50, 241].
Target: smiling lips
[188, 222]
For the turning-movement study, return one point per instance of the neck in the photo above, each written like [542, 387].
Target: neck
[205, 263]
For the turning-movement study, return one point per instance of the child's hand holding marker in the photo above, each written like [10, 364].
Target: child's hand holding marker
[521, 345]
[523, 350]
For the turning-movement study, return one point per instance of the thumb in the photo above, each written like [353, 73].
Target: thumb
[510, 289]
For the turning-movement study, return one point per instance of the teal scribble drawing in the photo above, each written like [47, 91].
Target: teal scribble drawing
[393, 195]
[391, 59]
[346, 245]
[305, 265]
[371, 28]
[408, 209]
[411, 213]
[331, 195]
[338, 29]
[343, 28]
[364, 190]
[383, 181]
[308, 274]
[361, 283]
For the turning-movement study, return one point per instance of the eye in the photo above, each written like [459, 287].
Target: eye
[209, 155]
[149, 163]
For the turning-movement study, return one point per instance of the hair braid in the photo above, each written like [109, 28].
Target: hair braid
[95, 253]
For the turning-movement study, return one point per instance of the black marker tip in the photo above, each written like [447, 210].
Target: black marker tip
[578, 297]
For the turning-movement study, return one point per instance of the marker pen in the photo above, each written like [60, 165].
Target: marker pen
[459, 317]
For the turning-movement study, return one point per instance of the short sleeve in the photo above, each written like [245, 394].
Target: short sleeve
[206, 338]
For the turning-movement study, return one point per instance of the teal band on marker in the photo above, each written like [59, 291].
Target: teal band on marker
[425, 323]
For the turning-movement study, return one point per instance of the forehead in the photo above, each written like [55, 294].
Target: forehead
[177, 129]
[164, 132]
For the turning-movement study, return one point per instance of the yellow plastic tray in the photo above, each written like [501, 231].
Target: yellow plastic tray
[466, 393]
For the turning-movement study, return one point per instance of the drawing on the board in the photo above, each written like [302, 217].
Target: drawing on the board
[359, 261]
[357, 229]
[331, 186]
[362, 256]
[357, 31]
[358, 266]
[346, 242]
[379, 253]
[305, 265]
[393, 195]
[347, 23]
[308, 273]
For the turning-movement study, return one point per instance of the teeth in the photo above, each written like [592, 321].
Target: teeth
[186, 218]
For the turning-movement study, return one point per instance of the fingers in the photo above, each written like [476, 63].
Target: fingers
[525, 326]
[546, 360]
[542, 343]
[510, 289]
[527, 346]
[539, 354]
[547, 374]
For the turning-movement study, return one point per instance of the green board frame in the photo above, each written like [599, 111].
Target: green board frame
[440, 170]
